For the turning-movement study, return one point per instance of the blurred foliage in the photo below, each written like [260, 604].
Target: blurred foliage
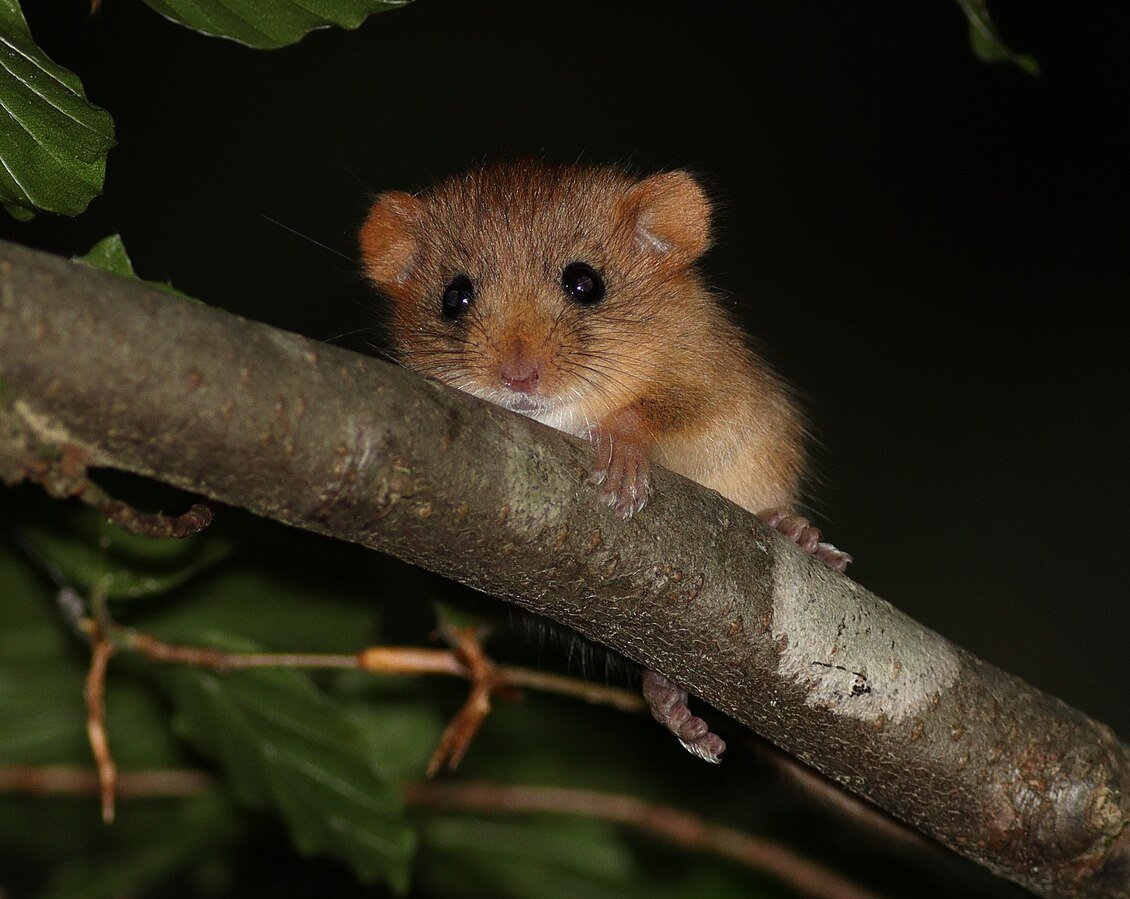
[322, 755]
[284, 745]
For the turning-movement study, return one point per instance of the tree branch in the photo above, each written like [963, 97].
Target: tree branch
[122, 376]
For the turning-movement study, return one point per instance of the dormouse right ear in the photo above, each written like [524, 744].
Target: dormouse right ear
[670, 215]
[388, 239]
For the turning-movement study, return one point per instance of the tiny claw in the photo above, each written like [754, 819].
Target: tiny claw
[800, 531]
[709, 748]
[836, 559]
[668, 705]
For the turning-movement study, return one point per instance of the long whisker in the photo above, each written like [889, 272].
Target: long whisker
[316, 243]
[348, 333]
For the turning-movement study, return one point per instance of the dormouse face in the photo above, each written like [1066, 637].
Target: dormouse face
[548, 290]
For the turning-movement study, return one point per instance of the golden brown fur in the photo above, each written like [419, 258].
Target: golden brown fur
[655, 371]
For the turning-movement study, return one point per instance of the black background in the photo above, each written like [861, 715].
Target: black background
[933, 249]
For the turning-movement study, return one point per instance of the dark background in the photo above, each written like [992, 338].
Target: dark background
[933, 249]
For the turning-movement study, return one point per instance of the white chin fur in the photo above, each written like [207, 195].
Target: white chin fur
[520, 402]
[555, 414]
[552, 414]
[563, 419]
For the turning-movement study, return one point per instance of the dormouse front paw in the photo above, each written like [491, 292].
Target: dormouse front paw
[621, 471]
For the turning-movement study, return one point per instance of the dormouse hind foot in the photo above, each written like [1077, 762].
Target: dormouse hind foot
[668, 704]
[799, 530]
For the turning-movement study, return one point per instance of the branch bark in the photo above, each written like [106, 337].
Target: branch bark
[113, 374]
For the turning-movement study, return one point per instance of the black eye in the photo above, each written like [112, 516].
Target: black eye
[582, 283]
[457, 297]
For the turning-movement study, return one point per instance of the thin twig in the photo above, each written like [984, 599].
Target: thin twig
[220, 660]
[95, 693]
[156, 524]
[65, 780]
[660, 821]
[408, 660]
[66, 475]
[464, 725]
[420, 660]
[466, 659]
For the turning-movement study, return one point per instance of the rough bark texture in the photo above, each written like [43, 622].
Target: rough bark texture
[100, 369]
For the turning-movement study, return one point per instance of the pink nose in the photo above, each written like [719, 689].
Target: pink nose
[520, 374]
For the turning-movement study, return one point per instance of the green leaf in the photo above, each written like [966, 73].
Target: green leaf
[53, 142]
[400, 733]
[91, 554]
[147, 844]
[42, 670]
[284, 745]
[285, 608]
[531, 857]
[109, 255]
[267, 24]
[986, 40]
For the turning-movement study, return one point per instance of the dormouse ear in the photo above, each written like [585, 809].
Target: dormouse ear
[388, 239]
[672, 217]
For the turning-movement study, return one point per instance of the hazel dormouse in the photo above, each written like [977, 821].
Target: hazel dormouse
[570, 294]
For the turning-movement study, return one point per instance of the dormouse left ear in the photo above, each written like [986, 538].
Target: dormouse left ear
[388, 239]
[672, 217]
